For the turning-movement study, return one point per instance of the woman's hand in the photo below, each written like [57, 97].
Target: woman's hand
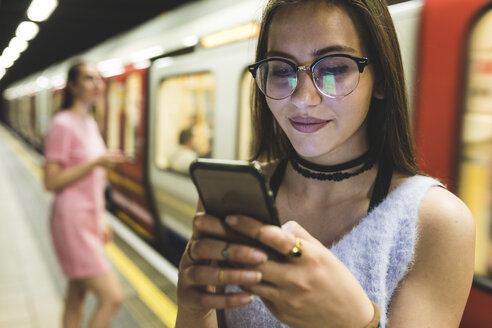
[210, 262]
[110, 159]
[313, 290]
[107, 233]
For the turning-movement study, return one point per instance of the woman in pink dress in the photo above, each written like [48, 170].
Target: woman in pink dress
[75, 157]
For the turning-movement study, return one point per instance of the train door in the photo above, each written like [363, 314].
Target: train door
[449, 28]
[193, 113]
[475, 165]
[124, 117]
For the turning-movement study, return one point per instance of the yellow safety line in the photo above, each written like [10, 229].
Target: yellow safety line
[135, 226]
[152, 296]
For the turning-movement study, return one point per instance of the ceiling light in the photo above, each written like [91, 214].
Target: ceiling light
[27, 30]
[40, 10]
[111, 67]
[17, 44]
[190, 41]
[148, 53]
[233, 34]
[6, 62]
[10, 54]
[43, 82]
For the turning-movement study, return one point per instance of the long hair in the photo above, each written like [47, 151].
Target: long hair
[388, 124]
[72, 76]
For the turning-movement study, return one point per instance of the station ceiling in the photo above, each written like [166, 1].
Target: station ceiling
[74, 26]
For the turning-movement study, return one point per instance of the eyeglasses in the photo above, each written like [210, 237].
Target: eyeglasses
[335, 76]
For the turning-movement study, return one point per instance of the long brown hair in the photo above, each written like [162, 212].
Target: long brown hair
[72, 77]
[388, 124]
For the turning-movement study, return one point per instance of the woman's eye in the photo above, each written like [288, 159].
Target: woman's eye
[282, 72]
[333, 70]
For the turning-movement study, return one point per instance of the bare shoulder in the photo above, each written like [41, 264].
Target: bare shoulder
[441, 212]
[446, 231]
[442, 271]
[443, 215]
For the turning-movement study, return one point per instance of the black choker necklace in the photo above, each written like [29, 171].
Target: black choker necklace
[319, 172]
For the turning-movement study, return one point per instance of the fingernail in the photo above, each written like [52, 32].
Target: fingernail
[259, 257]
[252, 276]
[247, 299]
[289, 226]
[231, 220]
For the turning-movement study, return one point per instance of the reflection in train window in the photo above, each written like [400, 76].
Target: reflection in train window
[133, 103]
[245, 137]
[115, 107]
[185, 120]
[476, 155]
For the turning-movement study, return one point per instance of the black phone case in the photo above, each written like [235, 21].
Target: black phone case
[223, 189]
[248, 193]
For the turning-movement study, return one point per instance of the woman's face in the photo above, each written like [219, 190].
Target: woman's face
[89, 86]
[322, 129]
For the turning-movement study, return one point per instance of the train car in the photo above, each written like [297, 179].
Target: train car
[453, 122]
[181, 80]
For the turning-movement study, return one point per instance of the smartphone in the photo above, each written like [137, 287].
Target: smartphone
[236, 187]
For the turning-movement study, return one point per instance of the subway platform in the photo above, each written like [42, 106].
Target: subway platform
[31, 282]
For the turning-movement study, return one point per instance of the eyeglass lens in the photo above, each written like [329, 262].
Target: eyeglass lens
[333, 76]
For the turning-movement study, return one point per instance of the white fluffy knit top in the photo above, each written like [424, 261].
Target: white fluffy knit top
[378, 251]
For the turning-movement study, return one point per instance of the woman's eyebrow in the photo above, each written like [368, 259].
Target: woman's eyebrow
[275, 53]
[334, 48]
[316, 53]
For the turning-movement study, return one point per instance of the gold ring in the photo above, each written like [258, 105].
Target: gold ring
[225, 252]
[188, 249]
[296, 251]
[258, 235]
[221, 277]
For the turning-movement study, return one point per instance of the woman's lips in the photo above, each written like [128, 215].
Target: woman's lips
[308, 124]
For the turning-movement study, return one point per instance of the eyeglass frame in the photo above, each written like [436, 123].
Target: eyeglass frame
[361, 62]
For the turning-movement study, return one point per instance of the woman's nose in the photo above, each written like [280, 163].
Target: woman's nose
[306, 93]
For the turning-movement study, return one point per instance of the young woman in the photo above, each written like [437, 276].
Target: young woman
[369, 241]
[75, 157]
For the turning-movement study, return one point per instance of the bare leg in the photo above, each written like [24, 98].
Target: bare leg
[109, 296]
[72, 315]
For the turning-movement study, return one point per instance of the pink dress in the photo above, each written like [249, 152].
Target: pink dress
[77, 212]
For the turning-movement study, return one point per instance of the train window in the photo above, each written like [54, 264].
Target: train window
[133, 103]
[475, 184]
[184, 124]
[245, 137]
[115, 106]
